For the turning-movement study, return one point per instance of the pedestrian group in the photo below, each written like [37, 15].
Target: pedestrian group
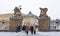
[25, 28]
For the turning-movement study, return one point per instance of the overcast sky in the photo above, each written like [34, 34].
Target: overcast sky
[7, 6]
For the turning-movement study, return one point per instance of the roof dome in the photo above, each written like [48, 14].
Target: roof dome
[30, 15]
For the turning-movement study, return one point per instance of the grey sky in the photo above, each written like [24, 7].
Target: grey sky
[6, 6]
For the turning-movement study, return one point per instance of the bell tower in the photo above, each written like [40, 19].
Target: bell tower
[16, 20]
[44, 20]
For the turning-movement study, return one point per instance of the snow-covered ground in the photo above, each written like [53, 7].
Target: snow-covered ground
[29, 34]
[24, 34]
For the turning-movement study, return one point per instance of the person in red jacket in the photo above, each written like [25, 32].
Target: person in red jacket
[31, 29]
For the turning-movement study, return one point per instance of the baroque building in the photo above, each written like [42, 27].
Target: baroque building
[18, 19]
[30, 19]
[4, 21]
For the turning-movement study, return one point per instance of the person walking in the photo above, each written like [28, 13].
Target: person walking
[31, 29]
[34, 28]
[27, 29]
[24, 27]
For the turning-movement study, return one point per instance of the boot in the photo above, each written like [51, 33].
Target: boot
[34, 32]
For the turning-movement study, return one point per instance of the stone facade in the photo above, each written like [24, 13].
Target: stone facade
[4, 25]
[16, 20]
[30, 19]
[44, 20]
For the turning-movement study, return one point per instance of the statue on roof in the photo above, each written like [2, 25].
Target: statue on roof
[43, 11]
[17, 11]
[30, 12]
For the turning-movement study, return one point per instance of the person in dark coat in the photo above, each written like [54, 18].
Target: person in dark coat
[34, 28]
[31, 29]
[24, 28]
[27, 29]
[17, 28]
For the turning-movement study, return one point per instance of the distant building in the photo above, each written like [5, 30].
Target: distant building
[4, 25]
[55, 25]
